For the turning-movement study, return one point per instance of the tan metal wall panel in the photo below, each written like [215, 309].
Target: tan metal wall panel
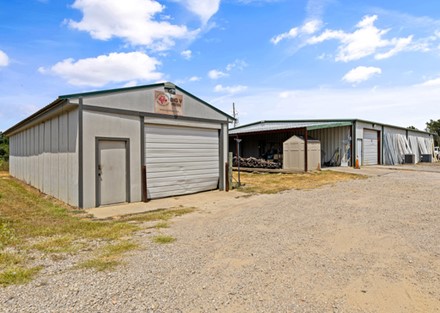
[36, 153]
[332, 139]
[109, 125]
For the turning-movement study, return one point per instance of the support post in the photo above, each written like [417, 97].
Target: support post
[144, 183]
[226, 177]
[306, 154]
[230, 160]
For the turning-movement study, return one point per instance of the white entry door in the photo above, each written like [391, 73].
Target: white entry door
[371, 144]
[111, 172]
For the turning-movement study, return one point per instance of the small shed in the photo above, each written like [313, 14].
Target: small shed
[294, 154]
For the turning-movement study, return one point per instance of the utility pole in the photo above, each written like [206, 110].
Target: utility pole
[234, 115]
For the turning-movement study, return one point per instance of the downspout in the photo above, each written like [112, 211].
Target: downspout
[80, 155]
[354, 141]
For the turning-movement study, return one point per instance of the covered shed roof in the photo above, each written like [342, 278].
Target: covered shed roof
[268, 126]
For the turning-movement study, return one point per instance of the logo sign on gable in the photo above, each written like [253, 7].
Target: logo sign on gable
[165, 103]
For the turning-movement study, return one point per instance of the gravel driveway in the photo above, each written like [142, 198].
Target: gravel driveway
[360, 246]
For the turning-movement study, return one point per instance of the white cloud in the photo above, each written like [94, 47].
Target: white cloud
[216, 74]
[360, 74]
[187, 54]
[204, 9]
[431, 83]
[230, 89]
[132, 20]
[4, 59]
[238, 64]
[194, 78]
[366, 40]
[104, 69]
[400, 44]
[307, 28]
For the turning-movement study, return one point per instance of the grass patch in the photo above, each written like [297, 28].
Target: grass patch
[9, 260]
[7, 233]
[271, 183]
[109, 256]
[4, 165]
[163, 239]
[57, 245]
[26, 215]
[160, 214]
[17, 275]
[162, 225]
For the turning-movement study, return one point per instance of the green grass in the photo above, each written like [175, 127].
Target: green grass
[162, 225]
[15, 275]
[57, 245]
[163, 239]
[4, 165]
[271, 183]
[53, 228]
[160, 214]
[109, 256]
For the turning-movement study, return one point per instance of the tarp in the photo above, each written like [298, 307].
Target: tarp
[397, 145]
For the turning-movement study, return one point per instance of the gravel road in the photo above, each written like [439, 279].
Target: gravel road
[368, 245]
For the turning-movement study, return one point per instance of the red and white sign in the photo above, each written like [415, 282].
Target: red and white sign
[165, 103]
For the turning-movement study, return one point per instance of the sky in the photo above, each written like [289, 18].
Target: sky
[275, 59]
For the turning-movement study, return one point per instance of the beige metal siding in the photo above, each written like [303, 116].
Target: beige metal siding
[40, 157]
[332, 139]
[180, 160]
[109, 125]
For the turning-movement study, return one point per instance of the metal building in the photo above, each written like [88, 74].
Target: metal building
[342, 141]
[121, 145]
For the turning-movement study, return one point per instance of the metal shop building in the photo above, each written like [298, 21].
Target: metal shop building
[342, 141]
[121, 145]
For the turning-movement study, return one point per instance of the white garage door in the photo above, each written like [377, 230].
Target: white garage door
[180, 160]
[370, 156]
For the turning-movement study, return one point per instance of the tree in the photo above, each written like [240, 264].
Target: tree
[412, 127]
[434, 128]
[4, 147]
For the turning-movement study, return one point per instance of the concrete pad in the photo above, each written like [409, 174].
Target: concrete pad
[193, 200]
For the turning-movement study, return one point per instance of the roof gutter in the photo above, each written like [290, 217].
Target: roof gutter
[41, 115]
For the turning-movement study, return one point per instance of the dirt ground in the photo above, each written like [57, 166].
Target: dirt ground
[370, 245]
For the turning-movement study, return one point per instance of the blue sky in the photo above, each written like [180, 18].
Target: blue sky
[275, 59]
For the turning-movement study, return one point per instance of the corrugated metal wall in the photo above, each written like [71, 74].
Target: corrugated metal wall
[332, 139]
[46, 156]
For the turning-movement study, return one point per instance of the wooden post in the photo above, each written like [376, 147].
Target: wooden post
[144, 183]
[230, 161]
[226, 177]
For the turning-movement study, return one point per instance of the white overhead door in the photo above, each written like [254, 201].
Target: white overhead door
[180, 160]
[370, 150]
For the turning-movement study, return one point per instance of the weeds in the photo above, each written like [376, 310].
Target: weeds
[271, 183]
[53, 228]
[109, 256]
[163, 239]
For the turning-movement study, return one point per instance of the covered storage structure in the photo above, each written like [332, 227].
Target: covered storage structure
[342, 141]
[122, 145]
[295, 156]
